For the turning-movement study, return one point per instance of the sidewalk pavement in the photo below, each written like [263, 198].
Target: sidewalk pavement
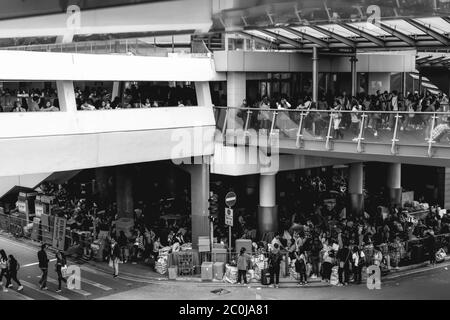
[144, 273]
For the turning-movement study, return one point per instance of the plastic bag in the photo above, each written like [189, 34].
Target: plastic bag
[440, 255]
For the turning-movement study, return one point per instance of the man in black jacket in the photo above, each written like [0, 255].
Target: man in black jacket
[43, 265]
[275, 258]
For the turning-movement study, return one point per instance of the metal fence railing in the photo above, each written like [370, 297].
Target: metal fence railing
[395, 128]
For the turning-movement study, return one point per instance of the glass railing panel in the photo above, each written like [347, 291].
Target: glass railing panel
[315, 125]
[379, 128]
[414, 129]
[287, 123]
[441, 131]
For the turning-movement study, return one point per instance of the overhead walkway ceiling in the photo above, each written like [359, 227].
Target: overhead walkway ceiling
[418, 33]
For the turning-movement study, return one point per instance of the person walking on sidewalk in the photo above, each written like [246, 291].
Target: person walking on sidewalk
[60, 263]
[275, 258]
[3, 268]
[43, 265]
[243, 264]
[114, 257]
[13, 268]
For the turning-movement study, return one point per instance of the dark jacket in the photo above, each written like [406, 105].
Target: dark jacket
[43, 259]
[275, 258]
[115, 252]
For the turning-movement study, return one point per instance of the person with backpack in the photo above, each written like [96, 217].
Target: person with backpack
[358, 262]
[275, 258]
[300, 266]
[60, 263]
[3, 268]
[43, 265]
[13, 268]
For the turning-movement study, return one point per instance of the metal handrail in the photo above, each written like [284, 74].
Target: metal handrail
[340, 111]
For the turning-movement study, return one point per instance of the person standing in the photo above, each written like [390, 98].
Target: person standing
[43, 265]
[431, 244]
[358, 261]
[243, 263]
[114, 257]
[343, 257]
[275, 258]
[3, 268]
[13, 268]
[60, 263]
[300, 266]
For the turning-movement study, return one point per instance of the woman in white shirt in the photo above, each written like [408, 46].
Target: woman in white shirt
[358, 262]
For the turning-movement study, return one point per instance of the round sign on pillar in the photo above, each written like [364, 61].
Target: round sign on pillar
[230, 199]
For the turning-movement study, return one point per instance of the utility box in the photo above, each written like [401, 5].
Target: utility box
[218, 270]
[219, 255]
[173, 271]
[207, 271]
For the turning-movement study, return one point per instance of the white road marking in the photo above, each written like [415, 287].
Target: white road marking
[80, 291]
[35, 263]
[49, 293]
[19, 244]
[95, 284]
[18, 294]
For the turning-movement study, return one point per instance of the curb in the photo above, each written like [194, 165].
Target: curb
[404, 271]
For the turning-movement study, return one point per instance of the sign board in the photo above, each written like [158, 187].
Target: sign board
[230, 199]
[407, 197]
[229, 217]
[59, 233]
[22, 206]
[39, 209]
[45, 227]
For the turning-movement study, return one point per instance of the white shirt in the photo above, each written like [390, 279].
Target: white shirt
[356, 257]
[394, 103]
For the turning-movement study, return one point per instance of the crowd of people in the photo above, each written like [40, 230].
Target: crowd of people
[346, 111]
[96, 98]
[320, 235]
[32, 100]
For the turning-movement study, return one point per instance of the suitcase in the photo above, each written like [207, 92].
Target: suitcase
[265, 277]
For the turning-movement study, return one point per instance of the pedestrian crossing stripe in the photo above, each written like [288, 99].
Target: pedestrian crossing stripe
[46, 292]
[82, 292]
[95, 284]
[18, 294]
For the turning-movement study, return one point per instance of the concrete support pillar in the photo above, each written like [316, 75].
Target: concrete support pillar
[124, 192]
[268, 210]
[115, 90]
[420, 83]
[236, 92]
[315, 75]
[355, 188]
[447, 188]
[102, 176]
[203, 93]
[394, 183]
[66, 96]
[199, 201]
[353, 61]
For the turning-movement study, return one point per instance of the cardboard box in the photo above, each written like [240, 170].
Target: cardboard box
[207, 271]
[218, 270]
